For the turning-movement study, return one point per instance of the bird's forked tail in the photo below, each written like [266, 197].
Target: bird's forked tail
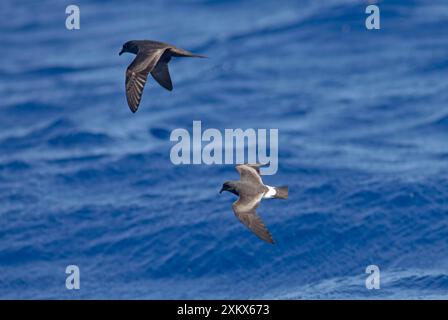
[281, 192]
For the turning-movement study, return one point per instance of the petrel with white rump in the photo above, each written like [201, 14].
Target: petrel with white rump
[251, 189]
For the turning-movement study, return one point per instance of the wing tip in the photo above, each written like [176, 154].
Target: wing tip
[270, 240]
[267, 237]
[133, 108]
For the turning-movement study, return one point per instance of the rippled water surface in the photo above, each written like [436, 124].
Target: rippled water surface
[362, 118]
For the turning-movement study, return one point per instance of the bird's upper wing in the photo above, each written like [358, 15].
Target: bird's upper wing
[161, 73]
[256, 166]
[137, 73]
[244, 209]
[250, 173]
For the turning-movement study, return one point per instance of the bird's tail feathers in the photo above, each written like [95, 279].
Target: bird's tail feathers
[281, 192]
[177, 52]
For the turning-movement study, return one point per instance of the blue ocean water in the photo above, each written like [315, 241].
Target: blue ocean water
[362, 118]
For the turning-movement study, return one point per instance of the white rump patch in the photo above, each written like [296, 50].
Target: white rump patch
[271, 193]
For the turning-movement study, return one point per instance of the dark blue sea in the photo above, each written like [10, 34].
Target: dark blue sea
[363, 146]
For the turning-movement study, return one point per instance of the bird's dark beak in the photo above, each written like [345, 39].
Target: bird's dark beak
[121, 52]
[222, 189]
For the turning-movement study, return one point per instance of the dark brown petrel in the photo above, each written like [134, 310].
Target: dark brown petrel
[152, 57]
[251, 190]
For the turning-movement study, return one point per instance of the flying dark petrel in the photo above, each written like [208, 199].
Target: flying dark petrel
[251, 190]
[152, 57]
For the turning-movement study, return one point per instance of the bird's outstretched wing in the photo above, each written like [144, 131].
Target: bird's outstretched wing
[244, 209]
[250, 172]
[137, 73]
[161, 74]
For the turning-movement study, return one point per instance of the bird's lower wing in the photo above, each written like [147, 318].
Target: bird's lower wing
[161, 74]
[135, 82]
[245, 212]
[137, 73]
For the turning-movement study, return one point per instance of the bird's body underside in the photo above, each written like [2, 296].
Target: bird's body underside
[251, 191]
[152, 57]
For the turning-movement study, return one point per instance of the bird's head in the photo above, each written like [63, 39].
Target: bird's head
[229, 186]
[130, 46]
